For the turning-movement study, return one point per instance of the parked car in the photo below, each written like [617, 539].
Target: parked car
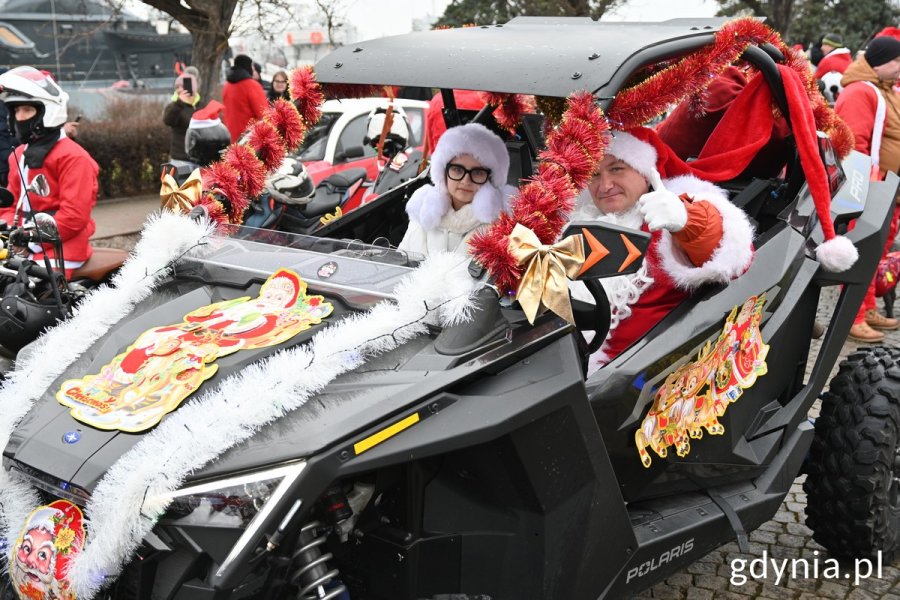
[377, 455]
[335, 142]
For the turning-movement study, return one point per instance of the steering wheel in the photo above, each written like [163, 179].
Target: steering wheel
[599, 317]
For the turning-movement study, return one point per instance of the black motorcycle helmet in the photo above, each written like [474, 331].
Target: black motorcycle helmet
[23, 317]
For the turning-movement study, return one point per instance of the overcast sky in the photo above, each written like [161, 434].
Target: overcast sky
[378, 18]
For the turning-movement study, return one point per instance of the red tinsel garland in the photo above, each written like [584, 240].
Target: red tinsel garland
[251, 170]
[287, 120]
[574, 149]
[306, 94]
[509, 108]
[356, 90]
[268, 144]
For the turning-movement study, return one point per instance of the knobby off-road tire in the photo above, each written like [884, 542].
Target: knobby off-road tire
[852, 486]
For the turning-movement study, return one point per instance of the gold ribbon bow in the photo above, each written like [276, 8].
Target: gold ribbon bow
[338, 213]
[180, 199]
[547, 268]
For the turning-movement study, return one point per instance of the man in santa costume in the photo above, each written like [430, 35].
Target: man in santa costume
[871, 108]
[698, 235]
[836, 57]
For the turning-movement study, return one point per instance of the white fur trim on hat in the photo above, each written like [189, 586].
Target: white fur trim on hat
[427, 206]
[639, 155]
[837, 254]
[733, 254]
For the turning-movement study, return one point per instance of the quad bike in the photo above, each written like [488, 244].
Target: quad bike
[476, 459]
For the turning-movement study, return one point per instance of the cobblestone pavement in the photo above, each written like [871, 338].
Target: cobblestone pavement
[784, 537]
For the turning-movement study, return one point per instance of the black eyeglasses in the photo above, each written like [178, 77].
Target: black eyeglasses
[478, 175]
[279, 81]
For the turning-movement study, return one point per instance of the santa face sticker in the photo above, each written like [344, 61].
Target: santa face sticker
[52, 536]
[167, 364]
[327, 270]
[697, 394]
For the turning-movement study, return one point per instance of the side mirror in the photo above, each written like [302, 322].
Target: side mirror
[350, 153]
[39, 186]
[46, 226]
[609, 250]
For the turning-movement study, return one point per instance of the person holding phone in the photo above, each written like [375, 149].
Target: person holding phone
[177, 114]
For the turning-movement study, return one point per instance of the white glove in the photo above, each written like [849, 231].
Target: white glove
[661, 208]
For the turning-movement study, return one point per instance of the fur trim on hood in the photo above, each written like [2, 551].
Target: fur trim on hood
[428, 205]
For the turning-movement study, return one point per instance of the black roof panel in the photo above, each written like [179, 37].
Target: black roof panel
[533, 55]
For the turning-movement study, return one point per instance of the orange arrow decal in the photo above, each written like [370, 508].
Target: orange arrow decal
[598, 252]
[633, 253]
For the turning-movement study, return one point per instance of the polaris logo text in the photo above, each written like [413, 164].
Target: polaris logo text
[857, 186]
[664, 558]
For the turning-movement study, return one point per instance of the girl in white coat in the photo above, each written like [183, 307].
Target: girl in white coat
[469, 168]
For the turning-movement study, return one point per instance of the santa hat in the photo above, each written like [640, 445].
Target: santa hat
[210, 112]
[430, 203]
[744, 129]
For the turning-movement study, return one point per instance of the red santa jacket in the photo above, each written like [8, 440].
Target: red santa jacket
[244, 101]
[836, 60]
[72, 177]
[716, 245]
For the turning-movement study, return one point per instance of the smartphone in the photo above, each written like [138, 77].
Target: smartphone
[187, 85]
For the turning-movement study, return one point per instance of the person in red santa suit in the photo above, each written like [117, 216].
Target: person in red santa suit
[837, 58]
[698, 236]
[38, 111]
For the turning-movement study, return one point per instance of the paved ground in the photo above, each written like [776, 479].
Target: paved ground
[784, 537]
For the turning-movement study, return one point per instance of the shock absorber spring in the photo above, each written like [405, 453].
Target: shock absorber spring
[311, 573]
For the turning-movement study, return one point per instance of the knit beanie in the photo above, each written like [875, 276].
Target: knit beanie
[882, 50]
[242, 61]
[834, 40]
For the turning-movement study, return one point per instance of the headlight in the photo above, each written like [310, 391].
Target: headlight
[230, 502]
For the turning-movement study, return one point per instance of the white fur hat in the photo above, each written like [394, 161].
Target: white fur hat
[429, 204]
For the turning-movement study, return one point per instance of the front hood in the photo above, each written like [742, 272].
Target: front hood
[44, 446]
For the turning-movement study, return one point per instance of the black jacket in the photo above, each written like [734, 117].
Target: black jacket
[177, 115]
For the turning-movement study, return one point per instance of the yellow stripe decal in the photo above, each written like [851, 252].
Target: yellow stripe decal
[384, 434]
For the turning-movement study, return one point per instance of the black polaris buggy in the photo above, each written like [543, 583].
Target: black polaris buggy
[476, 459]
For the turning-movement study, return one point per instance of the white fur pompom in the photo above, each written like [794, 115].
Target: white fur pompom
[427, 206]
[837, 254]
[487, 204]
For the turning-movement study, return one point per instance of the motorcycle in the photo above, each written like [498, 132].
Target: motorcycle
[36, 296]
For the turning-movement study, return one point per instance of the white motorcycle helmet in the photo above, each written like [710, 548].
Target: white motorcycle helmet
[27, 85]
[291, 183]
[397, 139]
